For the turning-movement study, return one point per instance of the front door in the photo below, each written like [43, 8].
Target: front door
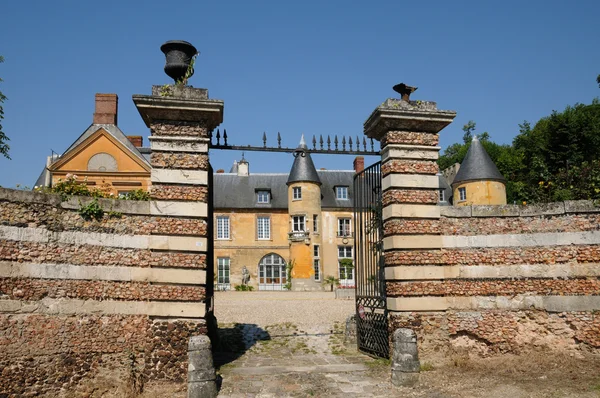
[272, 273]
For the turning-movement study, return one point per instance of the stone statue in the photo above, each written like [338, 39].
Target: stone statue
[245, 275]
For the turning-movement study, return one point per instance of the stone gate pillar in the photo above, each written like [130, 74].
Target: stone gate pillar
[408, 132]
[180, 119]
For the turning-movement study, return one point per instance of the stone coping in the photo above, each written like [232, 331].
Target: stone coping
[75, 202]
[545, 209]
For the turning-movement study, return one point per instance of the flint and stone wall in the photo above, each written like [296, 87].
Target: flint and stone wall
[77, 297]
[506, 279]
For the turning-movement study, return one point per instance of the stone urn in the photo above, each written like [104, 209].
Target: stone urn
[178, 55]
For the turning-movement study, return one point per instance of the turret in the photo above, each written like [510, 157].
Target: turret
[478, 181]
[304, 204]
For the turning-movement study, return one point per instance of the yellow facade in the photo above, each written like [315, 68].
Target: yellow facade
[309, 206]
[244, 248]
[131, 172]
[480, 193]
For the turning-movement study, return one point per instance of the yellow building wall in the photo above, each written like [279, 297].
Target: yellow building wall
[244, 248]
[130, 173]
[309, 205]
[481, 193]
[330, 241]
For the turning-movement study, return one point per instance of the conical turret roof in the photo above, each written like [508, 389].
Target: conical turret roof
[303, 169]
[477, 165]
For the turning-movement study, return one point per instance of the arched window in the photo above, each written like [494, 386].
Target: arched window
[272, 273]
[102, 162]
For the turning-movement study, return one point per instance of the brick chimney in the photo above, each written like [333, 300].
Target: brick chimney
[359, 164]
[106, 109]
[136, 140]
[220, 171]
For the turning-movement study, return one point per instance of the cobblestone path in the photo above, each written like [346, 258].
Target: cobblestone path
[294, 348]
[282, 360]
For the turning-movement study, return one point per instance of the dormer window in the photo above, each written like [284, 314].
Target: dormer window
[341, 193]
[263, 197]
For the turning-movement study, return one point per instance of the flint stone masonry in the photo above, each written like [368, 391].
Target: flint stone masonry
[29, 289]
[491, 331]
[78, 295]
[410, 226]
[97, 255]
[407, 138]
[180, 192]
[169, 160]
[181, 128]
[416, 196]
[403, 166]
[495, 287]
[496, 256]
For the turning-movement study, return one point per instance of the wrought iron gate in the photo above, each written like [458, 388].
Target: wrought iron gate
[371, 309]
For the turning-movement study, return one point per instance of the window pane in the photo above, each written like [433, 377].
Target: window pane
[222, 227]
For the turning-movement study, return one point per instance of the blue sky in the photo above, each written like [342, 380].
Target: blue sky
[312, 67]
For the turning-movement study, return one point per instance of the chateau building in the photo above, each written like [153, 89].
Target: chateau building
[300, 221]
[271, 231]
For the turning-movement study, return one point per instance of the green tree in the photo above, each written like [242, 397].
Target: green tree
[4, 148]
[598, 80]
[560, 154]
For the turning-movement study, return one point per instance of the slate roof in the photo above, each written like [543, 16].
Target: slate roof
[231, 191]
[477, 165]
[303, 169]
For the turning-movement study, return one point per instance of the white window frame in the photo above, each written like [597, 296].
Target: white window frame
[317, 263]
[298, 223]
[263, 227]
[462, 193]
[297, 193]
[341, 192]
[223, 273]
[223, 228]
[344, 229]
[263, 196]
[345, 252]
[315, 223]
[442, 195]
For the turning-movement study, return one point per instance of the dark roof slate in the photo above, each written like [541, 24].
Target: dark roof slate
[303, 169]
[477, 165]
[231, 191]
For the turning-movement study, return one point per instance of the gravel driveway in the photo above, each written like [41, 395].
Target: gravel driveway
[268, 308]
